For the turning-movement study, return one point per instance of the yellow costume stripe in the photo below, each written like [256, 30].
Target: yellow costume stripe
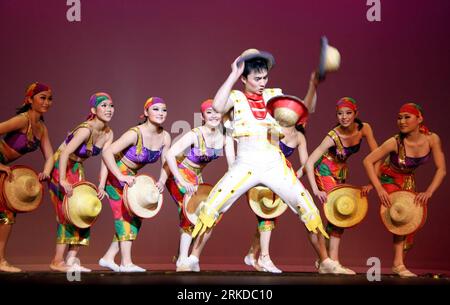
[237, 186]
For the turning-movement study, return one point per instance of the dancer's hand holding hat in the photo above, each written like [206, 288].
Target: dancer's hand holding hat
[67, 186]
[129, 180]
[6, 169]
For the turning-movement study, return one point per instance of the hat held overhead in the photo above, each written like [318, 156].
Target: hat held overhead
[330, 58]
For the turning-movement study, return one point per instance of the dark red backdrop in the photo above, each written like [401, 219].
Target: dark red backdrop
[182, 51]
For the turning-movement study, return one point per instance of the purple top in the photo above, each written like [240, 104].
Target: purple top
[140, 154]
[410, 162]
[339, 152]
[202, 155]
[18, 141]
[287, 150]
[401, 161]
[146, 156]
[347, 151]
[82, 151]
[195, 155]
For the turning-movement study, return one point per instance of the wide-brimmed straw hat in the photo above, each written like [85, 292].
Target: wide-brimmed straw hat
[288, 110]
[345, 207]
[23, 193]
[265, 203]
[330, 59]
[83, 207]
[404, 216]
[255, 53]
[191, 203]
[143, 198]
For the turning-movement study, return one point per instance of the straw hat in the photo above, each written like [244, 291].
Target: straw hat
[143, 198]
[255, 53]
[404, 216]
[265, 203]
[23, 193]
[288, 110]
[330, 59]
[191, 203]
[83, 207]
[345, 207]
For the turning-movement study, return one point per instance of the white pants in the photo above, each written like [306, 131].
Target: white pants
[260, 163]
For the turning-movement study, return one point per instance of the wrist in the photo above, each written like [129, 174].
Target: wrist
[379, 188]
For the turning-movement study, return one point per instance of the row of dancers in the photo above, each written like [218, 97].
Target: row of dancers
[390, 167]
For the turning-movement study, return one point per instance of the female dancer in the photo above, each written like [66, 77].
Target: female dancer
[24, 133]
[140, 145]
[330, 169]
[86, 140]
[202, 145]
[406, 151]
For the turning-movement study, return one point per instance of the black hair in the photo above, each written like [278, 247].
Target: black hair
[357, 121]
[300, 128]
[257, 64]
[144, 120]
[25, 108]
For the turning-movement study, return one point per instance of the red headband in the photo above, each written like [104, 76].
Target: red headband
[206, 104]
[416, 110]
[411, 108]
[347, 102]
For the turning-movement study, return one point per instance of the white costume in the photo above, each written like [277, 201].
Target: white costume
[257, 163]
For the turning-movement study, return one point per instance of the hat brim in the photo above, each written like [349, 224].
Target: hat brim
[254, 196]
[417, 221]
[345, 221]
[261, 54]
[322, 60]
[191, 203]
[12, 202]
[69, 208]
[129, 199]
[292, 102]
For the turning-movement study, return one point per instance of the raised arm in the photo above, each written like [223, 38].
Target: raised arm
[311, 96]
[222, 102]
[316, 154]
[439, 161]
[369, 164]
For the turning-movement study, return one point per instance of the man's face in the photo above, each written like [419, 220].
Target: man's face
[255, 82]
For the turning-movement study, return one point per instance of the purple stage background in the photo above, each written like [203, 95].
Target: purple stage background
[182, 51]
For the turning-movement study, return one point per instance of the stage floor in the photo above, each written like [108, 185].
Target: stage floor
[239, 278]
